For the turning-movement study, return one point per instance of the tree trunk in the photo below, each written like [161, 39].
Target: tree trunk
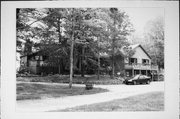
[71, 62]
[112, 62]
[71, 53]
[98, 66]
[59, 33]
[17, 13]
[59, 68]
[98, 60]
[82, 62]
[113, 40]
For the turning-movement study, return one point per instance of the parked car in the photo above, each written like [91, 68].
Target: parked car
[138, 79]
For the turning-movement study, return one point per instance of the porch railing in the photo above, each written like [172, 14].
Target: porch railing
[141, 66]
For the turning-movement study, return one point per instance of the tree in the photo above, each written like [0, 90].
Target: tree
[26, 30]
[118, 28]
[114, 13]
[68, 34]
[114, 26]
[154, 32]
[71, 52]
[54, 30]
[97, 34]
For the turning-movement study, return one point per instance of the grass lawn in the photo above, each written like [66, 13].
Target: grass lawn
[144, 102]
[77, 79]
[38, 91]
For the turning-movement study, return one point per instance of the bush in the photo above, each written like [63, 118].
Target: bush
[24, 70]
[35, 80]
[161, 77]
[89, 86]
[104, 79]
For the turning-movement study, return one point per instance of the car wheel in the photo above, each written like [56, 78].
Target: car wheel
[148, 82]
[134, 82]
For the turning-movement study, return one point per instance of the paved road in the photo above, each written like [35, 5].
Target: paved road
[115, 92]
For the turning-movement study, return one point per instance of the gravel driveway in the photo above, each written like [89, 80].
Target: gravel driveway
[115, 92]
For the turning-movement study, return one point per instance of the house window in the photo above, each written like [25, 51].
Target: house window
[133, 61]
[145, 61]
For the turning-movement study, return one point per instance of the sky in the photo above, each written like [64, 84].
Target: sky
[140, 16]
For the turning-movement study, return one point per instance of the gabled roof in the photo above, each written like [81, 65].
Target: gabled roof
[133, 47]
[116, 53]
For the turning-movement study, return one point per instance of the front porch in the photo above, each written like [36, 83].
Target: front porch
[137, 66]
[148, 70]
[130, 72]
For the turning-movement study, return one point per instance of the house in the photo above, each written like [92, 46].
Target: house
[35, 63]
[139, 62]
[40, 63]
[32, 61]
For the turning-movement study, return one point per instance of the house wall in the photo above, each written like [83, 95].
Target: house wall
[32, 63]
[133, 69]
[32, 67]
[140, 54]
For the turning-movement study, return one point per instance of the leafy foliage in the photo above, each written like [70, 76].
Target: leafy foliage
[155, 34]
[92, 31]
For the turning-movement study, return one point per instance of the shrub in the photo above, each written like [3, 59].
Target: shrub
[89, 86]
[161, 77]
[104, 79]
[23, 70]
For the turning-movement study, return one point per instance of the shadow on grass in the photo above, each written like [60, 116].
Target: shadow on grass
[30, 91]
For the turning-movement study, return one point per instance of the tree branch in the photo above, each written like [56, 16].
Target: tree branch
[27, 25]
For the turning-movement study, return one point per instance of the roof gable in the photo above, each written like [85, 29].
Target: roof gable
[133, 47]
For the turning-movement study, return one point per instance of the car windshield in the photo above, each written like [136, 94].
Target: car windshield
[146, 77]
[136, 77]
[141, 77]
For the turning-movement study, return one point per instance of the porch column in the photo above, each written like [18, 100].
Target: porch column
[132, 72]
[146, 72]
[139, 71]
[152, 75]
